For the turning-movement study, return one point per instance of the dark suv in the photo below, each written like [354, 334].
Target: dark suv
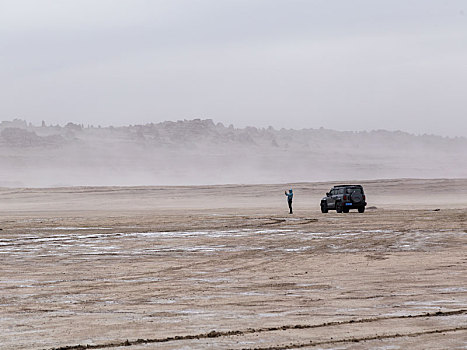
[342, 198]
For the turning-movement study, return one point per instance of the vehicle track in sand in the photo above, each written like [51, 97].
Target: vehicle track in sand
[218, 334]
[357, 339]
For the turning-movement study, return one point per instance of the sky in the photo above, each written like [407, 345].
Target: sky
[337, 64]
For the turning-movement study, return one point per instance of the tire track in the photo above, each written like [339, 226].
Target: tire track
[216, 334]
[361, 339]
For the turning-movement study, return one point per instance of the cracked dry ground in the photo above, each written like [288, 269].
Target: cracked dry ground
[191, 279]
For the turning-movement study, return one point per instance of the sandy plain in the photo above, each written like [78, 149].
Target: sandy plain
[226, 267]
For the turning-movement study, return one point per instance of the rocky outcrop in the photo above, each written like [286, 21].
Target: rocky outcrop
[16, 137]
[201, 151]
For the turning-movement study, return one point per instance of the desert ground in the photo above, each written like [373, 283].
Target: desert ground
[226, 267]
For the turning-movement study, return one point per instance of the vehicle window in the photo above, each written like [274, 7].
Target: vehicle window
[351, 190]
[341, 191]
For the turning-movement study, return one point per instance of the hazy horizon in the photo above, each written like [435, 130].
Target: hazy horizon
[202, 152]
[107, 125]
[359, 65]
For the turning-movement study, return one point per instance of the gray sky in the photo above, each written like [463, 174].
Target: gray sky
[346, 65]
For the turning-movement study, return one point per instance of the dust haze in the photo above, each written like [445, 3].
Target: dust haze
[193, 152]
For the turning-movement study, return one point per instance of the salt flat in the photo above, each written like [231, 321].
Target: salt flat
[226, 267]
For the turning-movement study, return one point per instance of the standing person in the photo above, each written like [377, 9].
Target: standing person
[289, 199]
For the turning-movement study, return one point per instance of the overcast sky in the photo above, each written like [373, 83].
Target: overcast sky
[345, 65]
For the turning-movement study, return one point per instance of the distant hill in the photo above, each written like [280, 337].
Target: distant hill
[203, 152]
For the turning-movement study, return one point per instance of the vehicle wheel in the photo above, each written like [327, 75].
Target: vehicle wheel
[339, 207]
[345, 210]
[324, 207]
[361, 209]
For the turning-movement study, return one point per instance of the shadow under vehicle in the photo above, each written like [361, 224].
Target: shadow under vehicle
[342, 198]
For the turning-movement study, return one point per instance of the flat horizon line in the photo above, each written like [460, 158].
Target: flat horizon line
[294, 183]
